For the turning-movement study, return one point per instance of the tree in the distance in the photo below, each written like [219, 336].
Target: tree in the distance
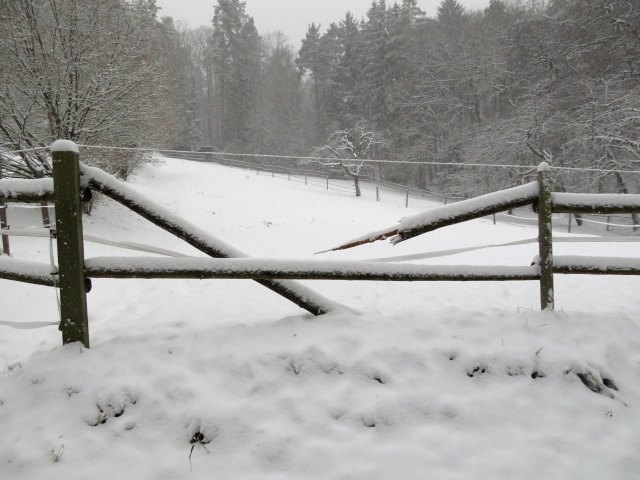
[450, 12]
[349, 149]
[313, 59]
[279, 99]
[235, 49]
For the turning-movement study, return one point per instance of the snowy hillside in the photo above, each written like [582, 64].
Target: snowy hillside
[224, 379]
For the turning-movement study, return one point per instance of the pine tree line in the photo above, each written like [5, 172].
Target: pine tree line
[510, 84]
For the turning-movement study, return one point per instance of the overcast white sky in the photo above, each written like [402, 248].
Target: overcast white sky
[290, 16]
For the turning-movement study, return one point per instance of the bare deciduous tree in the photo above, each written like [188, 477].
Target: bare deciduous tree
[83, 71]
[351, 148]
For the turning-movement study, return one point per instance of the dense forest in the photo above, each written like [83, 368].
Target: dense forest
[515, 83]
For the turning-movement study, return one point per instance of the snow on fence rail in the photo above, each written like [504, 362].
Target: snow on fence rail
[598, 203]
[596, 265]
[26, 191]
[253, 268]
[74, 272]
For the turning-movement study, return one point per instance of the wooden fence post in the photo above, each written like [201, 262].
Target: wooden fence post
[406, 203]
[545, 238]
[569, 224]
[327, 182]
[377, 194]
[3, 221]
[6, 248]
[74, 322]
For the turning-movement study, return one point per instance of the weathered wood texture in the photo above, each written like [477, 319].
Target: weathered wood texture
[298, 294]
[450, 215]
[74, 322]
[577, 265]
[26, 272]
[545, 239]
[6, 248]
[466, 210]
[230, 264]
[26, 190]
[201, 268]
[596, 203]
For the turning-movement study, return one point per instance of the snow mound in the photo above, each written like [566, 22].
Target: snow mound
[340, 396]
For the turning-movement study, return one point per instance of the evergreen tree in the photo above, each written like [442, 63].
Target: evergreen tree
[377, 74]
[276, 124]
[348, 72]
[450, 12]
[497, 9]
[312, 59]
[235, 47]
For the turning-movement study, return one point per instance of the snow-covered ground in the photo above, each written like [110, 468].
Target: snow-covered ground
[420, 380]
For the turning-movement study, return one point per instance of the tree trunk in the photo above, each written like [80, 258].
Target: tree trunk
[356, 181]
[622, 188]
[3, 221]
[562, 188]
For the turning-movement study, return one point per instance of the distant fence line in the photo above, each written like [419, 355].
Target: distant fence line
[211, 151]
[326, 180]
[206, 153]
[323, 177]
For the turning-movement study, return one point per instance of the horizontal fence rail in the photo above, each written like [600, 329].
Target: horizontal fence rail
[198, 268]
[27, 191]
[601, 203]
[596, 265]
[74, 272]
[26, 272]
[195, 236]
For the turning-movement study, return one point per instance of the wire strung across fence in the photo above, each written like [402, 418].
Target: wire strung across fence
[530, 168]
[609, 224]
[74, 270]
[379, 183]
[25, 207]
[571, 217]
[224, 157]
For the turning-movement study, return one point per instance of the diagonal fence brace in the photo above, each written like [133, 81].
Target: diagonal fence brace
[108, 185]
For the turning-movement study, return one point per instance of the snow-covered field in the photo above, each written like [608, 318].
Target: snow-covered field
[223, 379]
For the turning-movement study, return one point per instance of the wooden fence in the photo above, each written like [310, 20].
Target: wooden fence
[72, 179]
